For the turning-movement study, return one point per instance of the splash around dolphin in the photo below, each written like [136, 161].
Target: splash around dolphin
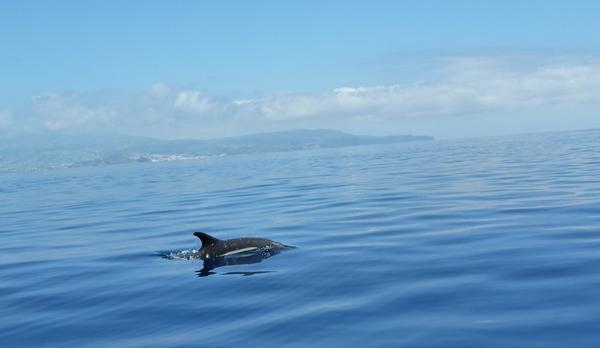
[213, 248]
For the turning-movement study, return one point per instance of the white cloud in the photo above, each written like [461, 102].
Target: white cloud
[466, 91]
[6, 120]
[463, 86]
[192, 101]
[56, 111]
[159, 89]
[289, 106]
[159, 108]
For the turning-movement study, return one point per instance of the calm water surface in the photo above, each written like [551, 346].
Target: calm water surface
[473, 243]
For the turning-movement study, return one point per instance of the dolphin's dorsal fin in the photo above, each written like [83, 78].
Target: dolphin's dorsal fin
[206, 239]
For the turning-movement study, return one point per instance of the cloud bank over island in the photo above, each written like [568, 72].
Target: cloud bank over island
[463, 89]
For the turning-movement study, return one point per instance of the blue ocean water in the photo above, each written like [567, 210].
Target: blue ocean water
[469, 243]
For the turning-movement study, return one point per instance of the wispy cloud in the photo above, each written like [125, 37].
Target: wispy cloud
[462, 86]
[6, 120]
[192, 102]
[467, 85]
[55, 111]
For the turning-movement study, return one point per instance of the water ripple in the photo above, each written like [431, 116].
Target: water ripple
[467, 243]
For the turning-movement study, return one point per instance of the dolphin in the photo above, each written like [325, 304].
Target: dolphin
[213, 248]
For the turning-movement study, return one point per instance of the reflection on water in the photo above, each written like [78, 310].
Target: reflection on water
[244, 259]
[245, 273]
[232, 260]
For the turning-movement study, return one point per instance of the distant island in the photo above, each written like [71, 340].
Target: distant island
[58, 150]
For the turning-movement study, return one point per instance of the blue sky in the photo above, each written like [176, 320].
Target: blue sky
[204, 69]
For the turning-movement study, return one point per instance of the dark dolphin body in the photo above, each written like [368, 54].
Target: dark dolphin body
[213, 248]
[241, 251]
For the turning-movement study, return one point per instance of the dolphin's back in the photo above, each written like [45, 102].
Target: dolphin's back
[213, 247]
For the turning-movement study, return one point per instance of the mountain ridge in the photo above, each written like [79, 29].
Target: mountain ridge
[60, 150]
